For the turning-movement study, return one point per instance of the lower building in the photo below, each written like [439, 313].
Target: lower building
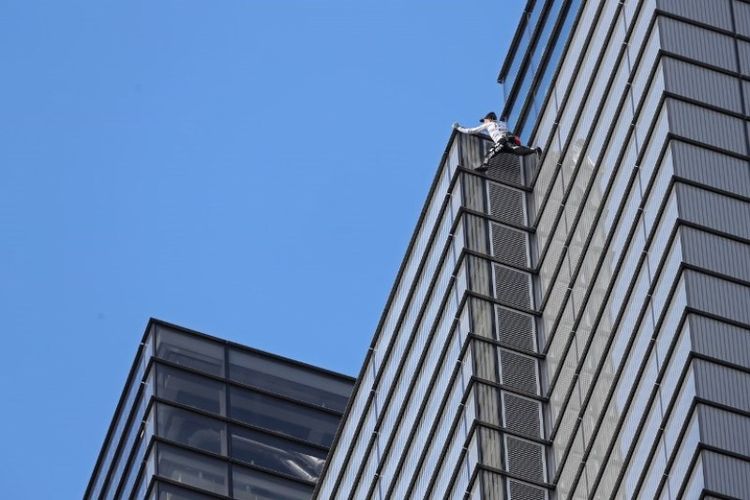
[203, 418]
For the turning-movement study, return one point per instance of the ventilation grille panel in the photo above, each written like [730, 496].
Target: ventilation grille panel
[523, 491]
[512, 287]
[507, 204]
[515, 329]
[522, 415]
[526, 459]
[519, 371]
[510, 245]
[506, 167]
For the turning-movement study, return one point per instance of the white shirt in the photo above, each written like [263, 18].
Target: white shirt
[496, 129]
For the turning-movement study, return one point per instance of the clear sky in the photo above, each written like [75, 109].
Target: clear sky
[252, 169]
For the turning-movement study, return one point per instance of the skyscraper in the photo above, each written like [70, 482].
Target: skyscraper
[202, 418]
[577, 327]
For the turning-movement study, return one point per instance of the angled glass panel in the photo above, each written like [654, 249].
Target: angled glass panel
[282, 416]
[190, 350]
[289, 380]
[255, 485]
[190, 389]
[171, 492]
[278, 454]
[191, 429]
[193, 469]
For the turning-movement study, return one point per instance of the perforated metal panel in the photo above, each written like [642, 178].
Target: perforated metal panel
[510, 245]
[506, 204]
[506, 167]
[522, 415]
[519, 371]
[523, 491]
[525, 458]
[512, 287]
[515, 329]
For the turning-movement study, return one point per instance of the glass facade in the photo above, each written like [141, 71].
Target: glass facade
[202, 418]
[547, 337]
[569, 326]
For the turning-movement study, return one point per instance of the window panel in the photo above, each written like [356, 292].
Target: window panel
[256, 485]
[193, 469]
[190, 350]
[288, 380]
[280, 455]
[282, 416]
[191, 429]
[171, 492]
[190, 390]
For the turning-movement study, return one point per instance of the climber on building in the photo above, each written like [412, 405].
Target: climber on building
[504, 141]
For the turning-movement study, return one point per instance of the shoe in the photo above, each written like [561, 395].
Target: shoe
[538, 152]
[482, 168]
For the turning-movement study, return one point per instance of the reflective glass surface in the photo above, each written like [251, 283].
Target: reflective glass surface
[278, 454]
[288, 380]
[281, 416]
[193, 469]
[191, 429]
[190, 350]
[255, 485]
[171, 492]
[190, 389]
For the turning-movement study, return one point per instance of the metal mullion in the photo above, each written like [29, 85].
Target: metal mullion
[442, 261]
[129, 422]
[527, 62]
[433, 427]
[410, 294]
[119, 409]
[652, 286]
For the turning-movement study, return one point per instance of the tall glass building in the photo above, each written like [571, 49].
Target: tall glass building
[201, 418]
[577, 327]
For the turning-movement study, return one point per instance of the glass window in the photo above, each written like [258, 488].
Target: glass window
[289, 380]
[281, 455]
[256, 485]
[282, 416]
[171, 492]
[191, 390]
[191, 429]
[190, 350]
[190, 468]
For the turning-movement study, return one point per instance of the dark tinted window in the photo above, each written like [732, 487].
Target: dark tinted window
[289, 380]
[190, 429]
[193, 469]
[255, 485]
[190, 350]
[282, 416]
[281, 455]
[190, 389]
[171, 492]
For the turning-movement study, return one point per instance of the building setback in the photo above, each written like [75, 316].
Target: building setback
[580, 327]
[201, 418]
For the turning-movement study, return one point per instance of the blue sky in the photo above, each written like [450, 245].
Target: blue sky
[249, 168]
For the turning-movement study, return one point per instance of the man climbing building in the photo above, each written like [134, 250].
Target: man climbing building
[502, 139]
